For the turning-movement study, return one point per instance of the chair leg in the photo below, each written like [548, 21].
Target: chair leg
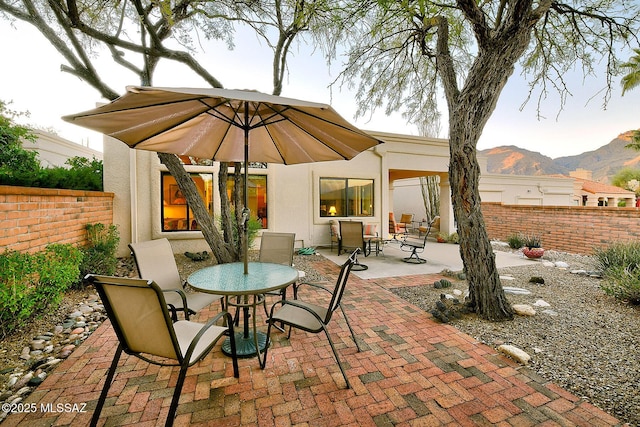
[414, 258]
[176, 394]
[335, 354]
[353, 335]
[107, 385]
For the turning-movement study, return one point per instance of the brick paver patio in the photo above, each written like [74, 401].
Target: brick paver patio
[412, 371]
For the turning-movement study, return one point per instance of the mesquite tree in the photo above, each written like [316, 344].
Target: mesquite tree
[141, 33]
[408, 53]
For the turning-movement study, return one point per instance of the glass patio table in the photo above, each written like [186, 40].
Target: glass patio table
[229, 280]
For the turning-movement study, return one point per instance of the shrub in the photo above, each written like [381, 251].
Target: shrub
[100, 253]
[515, 241]
[620, 266]
[623, 283]
[531, 241]
[31, 283]
[453, 238]
[617, 255]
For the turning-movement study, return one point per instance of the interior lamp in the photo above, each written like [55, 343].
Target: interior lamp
[332, 210]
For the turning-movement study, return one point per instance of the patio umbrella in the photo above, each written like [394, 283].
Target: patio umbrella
[227, 125]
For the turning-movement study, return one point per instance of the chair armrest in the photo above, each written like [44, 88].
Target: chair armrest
[316, 284]
[180, 292]
[212, 322]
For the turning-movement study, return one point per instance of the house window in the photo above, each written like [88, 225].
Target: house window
[256, 195]
[176, 214]
[346, 197]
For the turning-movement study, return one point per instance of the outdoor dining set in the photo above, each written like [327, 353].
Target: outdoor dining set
[151, 315]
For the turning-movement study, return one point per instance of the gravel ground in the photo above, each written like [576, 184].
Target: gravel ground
[584, 341]
[588, 344]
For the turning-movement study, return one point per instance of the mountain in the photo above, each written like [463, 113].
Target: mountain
[604, 162]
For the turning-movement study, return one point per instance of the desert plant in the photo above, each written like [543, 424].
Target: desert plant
[532, 241]
[623, 283]
[31, 283]
[515, 241]
[617, 255]
[442, 237]
[100, 252]
[620, 266]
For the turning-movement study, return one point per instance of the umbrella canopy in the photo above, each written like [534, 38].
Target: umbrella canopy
[227, 125]
[213, 123]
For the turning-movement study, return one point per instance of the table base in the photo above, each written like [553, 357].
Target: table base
[245, 346]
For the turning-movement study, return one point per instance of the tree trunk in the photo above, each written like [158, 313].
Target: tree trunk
[469, 110]
[486, 296]
[225, 207]
[221, 250]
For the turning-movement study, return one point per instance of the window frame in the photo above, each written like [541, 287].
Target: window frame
[189, 217]
[323, 210]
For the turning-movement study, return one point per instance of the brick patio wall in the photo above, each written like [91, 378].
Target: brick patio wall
[32, 218]
[575, 229]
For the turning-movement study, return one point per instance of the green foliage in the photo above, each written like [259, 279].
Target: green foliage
[531, 241]
[620, 266]
[453, 238]
[618, 255]
[632, 79]
[442, 236]
[22, 168]
[516, 241]
[15, 161]
[100, 253]
[627, 178]
[253, 227]
[623, 283]
[442, 283]
[32, 283]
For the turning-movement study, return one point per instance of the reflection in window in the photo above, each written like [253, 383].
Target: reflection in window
[346, 197]
[257, 197]
[176, 214]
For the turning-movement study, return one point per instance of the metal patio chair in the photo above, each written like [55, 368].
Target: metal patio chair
[138, 313]
[352, 237]
[312, 317]
[415, 246]
[155, 261]
[277, 248]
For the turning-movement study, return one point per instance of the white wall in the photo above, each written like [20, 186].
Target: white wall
[55, 151]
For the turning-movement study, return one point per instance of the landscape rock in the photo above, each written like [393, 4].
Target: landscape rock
[48, 348]
[515, 353]
[523, 310]
[541, 303]
[515, 291]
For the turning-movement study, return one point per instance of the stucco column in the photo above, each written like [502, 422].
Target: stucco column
[386, 190]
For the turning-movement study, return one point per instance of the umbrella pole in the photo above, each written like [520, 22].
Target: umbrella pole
[245, 209]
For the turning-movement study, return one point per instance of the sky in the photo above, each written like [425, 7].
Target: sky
[34, 83]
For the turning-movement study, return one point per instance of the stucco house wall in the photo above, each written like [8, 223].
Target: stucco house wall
[293, 202]
[292, 191]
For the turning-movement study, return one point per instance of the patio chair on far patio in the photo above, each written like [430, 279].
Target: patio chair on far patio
[312, 317]
[396, 228]
[405, 222]
[352, 237]
[139, 316]
[277, 248]
[155, 261]
[415, 246]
